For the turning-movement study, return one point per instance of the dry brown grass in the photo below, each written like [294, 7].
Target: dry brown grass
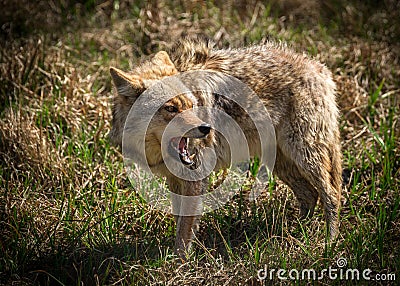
[66, 209]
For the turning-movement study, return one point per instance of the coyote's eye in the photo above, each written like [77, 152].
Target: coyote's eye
[171, 108]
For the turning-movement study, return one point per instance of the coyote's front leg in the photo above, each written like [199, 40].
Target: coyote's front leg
[186, 226]
[187, 207]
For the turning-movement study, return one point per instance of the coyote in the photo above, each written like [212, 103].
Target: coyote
[299, 94]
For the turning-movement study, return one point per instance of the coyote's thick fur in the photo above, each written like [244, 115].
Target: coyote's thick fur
[298, 93]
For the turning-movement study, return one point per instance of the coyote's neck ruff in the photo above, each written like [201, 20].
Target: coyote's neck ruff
[297, 92]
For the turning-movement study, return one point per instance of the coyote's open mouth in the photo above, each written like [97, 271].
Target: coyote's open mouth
[180, 145]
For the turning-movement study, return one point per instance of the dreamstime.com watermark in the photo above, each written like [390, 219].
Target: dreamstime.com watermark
[332, 273]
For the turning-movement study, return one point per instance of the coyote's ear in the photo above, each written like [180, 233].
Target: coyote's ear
[127, 86]
[163, 58]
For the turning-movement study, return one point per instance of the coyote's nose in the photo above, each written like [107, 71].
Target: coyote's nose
[205, 128]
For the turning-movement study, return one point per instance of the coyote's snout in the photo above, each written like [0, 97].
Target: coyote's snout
[191, 128]
[297, 92]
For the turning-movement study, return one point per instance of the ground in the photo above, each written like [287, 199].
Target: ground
[68, 214]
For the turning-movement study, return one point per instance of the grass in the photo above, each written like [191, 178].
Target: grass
[68, 213]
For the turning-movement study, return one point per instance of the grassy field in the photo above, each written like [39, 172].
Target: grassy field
[68, 214]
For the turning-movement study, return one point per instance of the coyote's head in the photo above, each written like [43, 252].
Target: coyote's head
[184, 141]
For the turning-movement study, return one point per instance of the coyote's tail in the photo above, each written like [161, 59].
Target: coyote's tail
[336, 171]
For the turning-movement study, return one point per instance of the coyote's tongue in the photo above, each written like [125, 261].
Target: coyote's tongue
[183, 152]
